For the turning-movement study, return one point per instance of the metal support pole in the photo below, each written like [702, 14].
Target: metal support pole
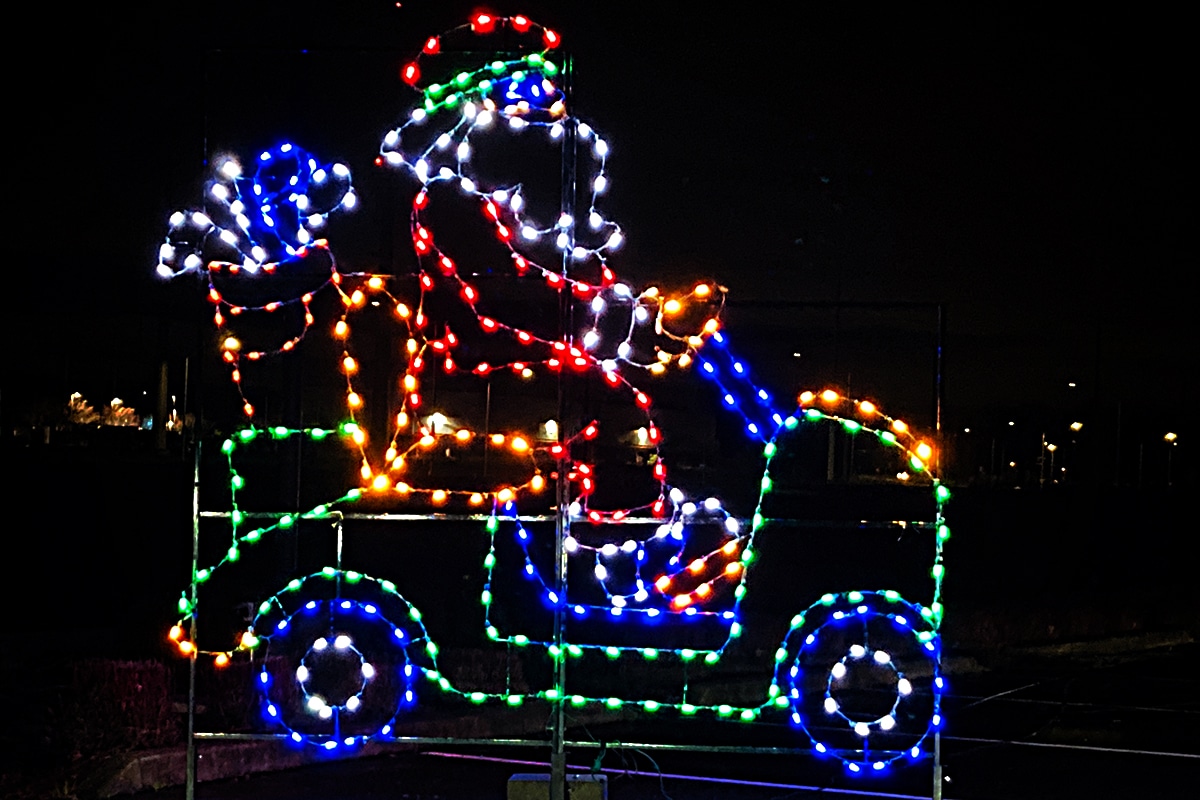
[558, 725]
[190, 779]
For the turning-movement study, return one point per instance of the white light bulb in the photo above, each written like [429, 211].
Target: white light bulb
[166, 252]
[881, 657]
[301, 202]
[165, 272]
[368, 671]
[200, 220]
[677, 495]
[352, 703]
[615, 240]
[608, 549]
[629, 546]
[732, 525]
[518, 202]
[641, 314]
[318, 177]
[467, 185]
[464, 151]
[302, 236]
[857, 651]
[236, 207]
[529, 233]
[831, 705]
[565, 221]
[688, 509]
[600, 184]
[229, 237]
[349, 201]
[392, 137]
[219, 191]
[903, 687]
[563, 241]
[608, 365]
[315, 220]
[442, 141]
[231, 169]
[258, 253]
[243, 221]
[662, 531]
[556, 130]
[570, 544]
[320, 644]
[516, 123]
[579, 253]
[590, 340]
[484, 118]
[862, 729]
[601, 147]
[176, 219]
[601, 572]
[624, 350]
[394, 158]
[584, 130]
[887, 723]
[598, 304]
[595, 220]
[302, 673]
[711, 503]
[341, 170]
[341, 642]
[422, 170]
[192, 261]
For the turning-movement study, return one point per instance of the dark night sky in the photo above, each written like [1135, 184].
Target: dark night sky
[1024, 167]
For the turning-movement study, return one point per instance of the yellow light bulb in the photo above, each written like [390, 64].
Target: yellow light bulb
[380, 483]
[867, 407]
[398, 463]
[497, 439]
[703, 590]
[730, 548]
[402, 420]
[231, 344]
[504, 495]
[402, 311]
[672, 306]
[348, 364]
[411, 346]
[410, 383]
[684, 360]
[438, 496]
[353, 400]
[176, 633]
[358, 297]
[899, 427]
[829, 395]
[375, 283]
[519, 445]
[657, 369]
[537, 483]
[733, 568]
[403, 488]
[696, 565]
[662, 583]
[428, 441]
[221, 660]
[702, 290]
[390, 455]
[359, 437]
[186, 647]
[341, 329]
[924, 451]
[462, 435]
[476, 498]
[365, 471]
[806, 397]
[711, 326]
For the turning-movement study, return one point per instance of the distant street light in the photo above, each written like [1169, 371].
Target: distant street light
[1171, 439]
